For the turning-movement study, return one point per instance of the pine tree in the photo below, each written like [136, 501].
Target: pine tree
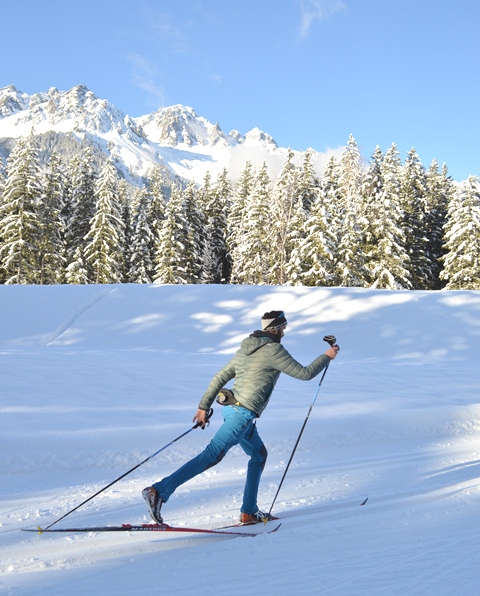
[306, 194]
[141, 240]
[313, 259]
[439, 191]
[252, 254]
[384, 249]
[236, 214]
[2, 187]
[308, 183]
[462, 238]
[222, 192]
[76, 272]
[281, 229]
[105, 237]
[80, 203]
[125, 192]
[2, 179]
[19, 223]
[158, 201]
[172, 266]
[213, 200]
[196, 232]
[51, 247]
[413, 202]
[350, 270]
[67, 213]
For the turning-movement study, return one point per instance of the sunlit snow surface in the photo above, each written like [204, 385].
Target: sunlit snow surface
[94, 379]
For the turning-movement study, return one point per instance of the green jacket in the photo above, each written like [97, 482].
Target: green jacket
[256, 367]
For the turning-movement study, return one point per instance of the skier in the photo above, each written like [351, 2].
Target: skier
[255, 367]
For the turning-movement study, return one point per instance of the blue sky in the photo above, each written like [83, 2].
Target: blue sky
[308, 72]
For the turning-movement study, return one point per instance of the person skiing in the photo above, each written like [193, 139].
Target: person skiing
[255, 367]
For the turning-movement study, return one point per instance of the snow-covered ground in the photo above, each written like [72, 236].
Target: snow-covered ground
[96, 378]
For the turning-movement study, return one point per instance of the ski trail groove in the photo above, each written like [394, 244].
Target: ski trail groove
[75, 315]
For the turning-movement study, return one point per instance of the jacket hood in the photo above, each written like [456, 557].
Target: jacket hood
[257, 340]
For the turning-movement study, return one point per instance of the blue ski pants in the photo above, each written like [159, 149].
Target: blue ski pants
[238, 428]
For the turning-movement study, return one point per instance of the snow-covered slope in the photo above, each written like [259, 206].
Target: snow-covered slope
[175, 136]
[94, 379]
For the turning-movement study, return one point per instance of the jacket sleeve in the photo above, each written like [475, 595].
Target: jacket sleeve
[285, 363]
[219, 380]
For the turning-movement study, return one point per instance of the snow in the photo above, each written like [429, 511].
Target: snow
[97, 378]
[138, 143]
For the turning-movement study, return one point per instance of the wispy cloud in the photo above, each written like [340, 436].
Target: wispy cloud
[164, 29]
[216, 78]
[144, 75]
[317, 10]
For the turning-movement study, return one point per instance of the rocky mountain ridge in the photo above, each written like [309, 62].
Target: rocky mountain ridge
[186, 144]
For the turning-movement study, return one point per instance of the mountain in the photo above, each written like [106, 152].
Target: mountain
[187, 145]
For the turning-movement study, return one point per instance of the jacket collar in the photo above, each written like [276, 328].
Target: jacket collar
[271, 336]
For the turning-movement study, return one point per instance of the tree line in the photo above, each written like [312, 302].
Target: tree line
[384, 224]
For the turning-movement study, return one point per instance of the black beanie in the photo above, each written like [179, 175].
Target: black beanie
[273, 320]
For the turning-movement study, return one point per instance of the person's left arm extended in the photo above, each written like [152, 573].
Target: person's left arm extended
[285, 363]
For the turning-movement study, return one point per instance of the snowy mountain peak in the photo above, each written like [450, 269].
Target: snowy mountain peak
[258, 135]
[188, 145]
[12, 101]
[180, 125]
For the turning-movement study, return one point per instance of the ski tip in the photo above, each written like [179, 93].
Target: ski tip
[364, 502]
[39, 530]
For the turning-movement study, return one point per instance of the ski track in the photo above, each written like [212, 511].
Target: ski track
[52, 337]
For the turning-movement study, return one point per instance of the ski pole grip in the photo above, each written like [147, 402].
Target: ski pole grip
[331, 340]
[209, 415]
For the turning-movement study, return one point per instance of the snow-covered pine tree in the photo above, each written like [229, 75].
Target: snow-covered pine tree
[2, 186]
[69, 207]
[313, 259]
[308, 183]
[106, 235]
[439, 192]
[19, 223]
[462, 238]
[236, 214]
[79, 203]
[281, 229]
[386, 259]
[222, 191]
[214, 202]
[413, 194]
[350, 270]
[76, 271]
[125, 193]
[197, 233]
[2, 178]
[141, 240]
[306, 195]
[51, 247]
[158, 200]
[172, 247]
[252, 254]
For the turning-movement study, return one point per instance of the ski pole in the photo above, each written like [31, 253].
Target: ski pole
[209, 415]
[330, 339]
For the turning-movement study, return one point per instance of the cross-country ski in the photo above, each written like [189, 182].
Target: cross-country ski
[152, 528]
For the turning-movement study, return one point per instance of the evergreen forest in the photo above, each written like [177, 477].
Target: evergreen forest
[387, 224]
